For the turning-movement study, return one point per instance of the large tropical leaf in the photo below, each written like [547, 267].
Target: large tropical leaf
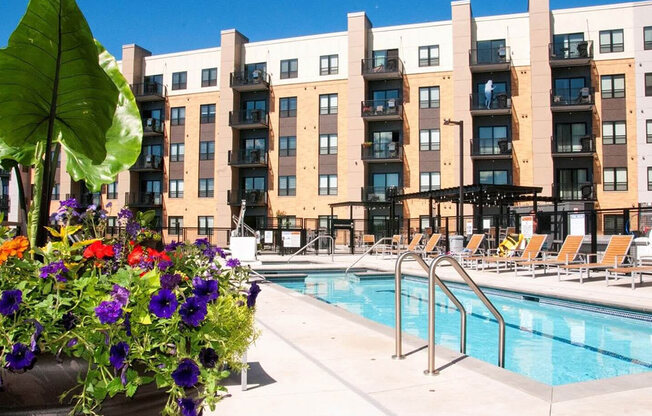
[51, 83]
[123, 140]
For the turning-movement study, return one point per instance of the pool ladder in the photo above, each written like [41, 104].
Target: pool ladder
[432, 280]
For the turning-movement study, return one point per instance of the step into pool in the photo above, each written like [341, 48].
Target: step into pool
[549, 340]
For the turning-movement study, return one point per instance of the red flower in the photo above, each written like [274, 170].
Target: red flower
[98, 250]
[136, 256]
[158, 255]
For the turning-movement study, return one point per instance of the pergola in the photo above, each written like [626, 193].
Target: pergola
[369, 205]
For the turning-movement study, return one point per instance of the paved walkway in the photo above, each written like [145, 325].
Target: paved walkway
[316, 359]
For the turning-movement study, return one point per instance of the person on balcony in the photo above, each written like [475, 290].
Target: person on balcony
[488, 92]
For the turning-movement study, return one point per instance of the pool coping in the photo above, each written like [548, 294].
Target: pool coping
[551, 394]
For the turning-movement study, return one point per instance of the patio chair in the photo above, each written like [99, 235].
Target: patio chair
[614, 256]
[393, 247]
[568, 254]
[472, 247]
[530, 253]
[629, 272]
[431, 249]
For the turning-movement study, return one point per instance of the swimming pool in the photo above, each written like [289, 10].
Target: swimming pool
[549, 340]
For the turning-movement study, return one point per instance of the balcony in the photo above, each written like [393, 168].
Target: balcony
[143, 199]
[491, 148]
[86, 199]
[380, 193]
[148, 163]
[5, 172]
[382, 110]
[573, 147]
[257, 80]
[382, 68]
[573, 53]
[248, 158]
[150, 91]
[382, 152]
[572, 99]
[152, 127]
[4, 204]
[584, 191]
[253, 198]
[500, 105]
[249, 119]
[490, 60]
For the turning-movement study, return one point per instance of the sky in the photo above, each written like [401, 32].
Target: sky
[168, 26]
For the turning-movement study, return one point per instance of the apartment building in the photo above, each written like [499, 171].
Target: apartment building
[558, 99]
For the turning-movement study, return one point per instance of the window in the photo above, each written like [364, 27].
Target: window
[177, 152]
[287, 185]
[206, 187]
[430, 181]
[55, 192]
[112, 190]
[178, 116]
[111, 225]
[569, 90]
[328, 144]
[648, 84]
[328, 104]
[429, 55]
[207, 113]
[327, 184]
[328, 65]
[649, 179]
[288, 146]
[647, 37]
[325, 221]
[206, 150]
[493, 177]
[611, 41]
[613, 86]
[209, 77]
[288, 107]
[175, 225]
[615, 179]
[429, 97]
[179, 80]
[570, 45]
[429, 139]
[613, 224]
[289, 68]
[614, 132]
[287, 221]
[572, 137]
[205, 225]
[648, 131]
[492, 141]
[491, 51]
[176, 188]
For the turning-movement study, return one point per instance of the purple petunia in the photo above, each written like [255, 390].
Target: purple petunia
[163, 303]
[254, 290]
[220, 252]
[205, 289]
[10, 301]
[232, 263]
[170, 281]
[163, 265]
[118, 354]
[208, 357]
[108, 312]
[193, 311]
[69, 203]
[173, 245]
[127, 323]
[20, 357]
[56, 269]
[117, 250]
[120, 295]
[125, 214]
[133, 228]
[188, 406]
[33, 341]
[202, 242]
[68, 320]
[186, 374]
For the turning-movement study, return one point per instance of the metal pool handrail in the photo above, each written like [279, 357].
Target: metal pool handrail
[432, 278]
[312, 241]
[398, 301]
[366, 252]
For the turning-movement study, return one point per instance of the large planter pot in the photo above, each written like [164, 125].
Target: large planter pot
[37, 392]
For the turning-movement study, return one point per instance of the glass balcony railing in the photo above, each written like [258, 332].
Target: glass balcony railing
[143, 199]
[152, 126]
[572, 97]
[498, 102]
[249, 119]
[382, 68]
[392, 151]
[248, 157]
[573, 145]
[149, 91]
[498, 56]
[571, 50]
[576, 191]
[148, 163]
[250, 81]
[390, 109]
[252, 197]
[380, 193]
[491, 147]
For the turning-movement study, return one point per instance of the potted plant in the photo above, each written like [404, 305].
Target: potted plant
[111, 319]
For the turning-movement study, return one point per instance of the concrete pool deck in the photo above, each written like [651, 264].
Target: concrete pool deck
[317, 359]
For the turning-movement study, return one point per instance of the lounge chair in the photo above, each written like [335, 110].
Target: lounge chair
[614, 256]
[430, 249]
[530, 253]
[472, 247]
[632, 272]
[568, 254]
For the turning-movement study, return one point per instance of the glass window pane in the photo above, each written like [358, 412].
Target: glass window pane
[334, 101]
[435, 180]
[607, 129]
[333, 181]
[334, 61]
[605, 38]
[605, 84]
[621, 175]
[620, 129]
[292, 182]
[324, 62]
[423, 94]
[486, 177]
[608, 176]
[423, 53]
[323, 181]
[434, 52]
[619, 83]
[617, 37]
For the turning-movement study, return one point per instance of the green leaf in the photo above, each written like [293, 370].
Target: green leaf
[100, 393]
[51, 80]
[131, 389]
[114, 386]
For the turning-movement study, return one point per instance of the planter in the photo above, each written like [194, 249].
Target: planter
[37, 392]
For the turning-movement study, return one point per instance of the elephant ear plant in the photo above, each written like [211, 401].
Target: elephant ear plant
[61, 91]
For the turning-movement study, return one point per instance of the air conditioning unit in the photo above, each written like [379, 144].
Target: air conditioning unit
[586, 191]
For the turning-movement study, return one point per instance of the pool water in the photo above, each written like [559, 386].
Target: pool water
[548, 340]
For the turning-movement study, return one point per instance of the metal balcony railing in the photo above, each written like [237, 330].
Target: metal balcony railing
[380, 193]
[392, 151]
[573, 145]
[86, 199]
[152, 126]
[149, 91]
[250, 81]
[148, 163]
[581, 191]
[572, 98]
[143, 199]
[382, 109]
[571, 50]
[382, 68]
[253, 198]
[249, 119]
[499, 56]
[491, 147]
[248, 157]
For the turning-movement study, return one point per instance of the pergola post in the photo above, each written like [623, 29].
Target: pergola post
[431, 220]
[480, 212]
[352, 232]
[438, 217]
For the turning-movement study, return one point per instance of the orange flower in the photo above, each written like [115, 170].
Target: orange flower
[15, 247]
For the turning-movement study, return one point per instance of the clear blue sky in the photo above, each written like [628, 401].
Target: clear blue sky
[175, 25]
